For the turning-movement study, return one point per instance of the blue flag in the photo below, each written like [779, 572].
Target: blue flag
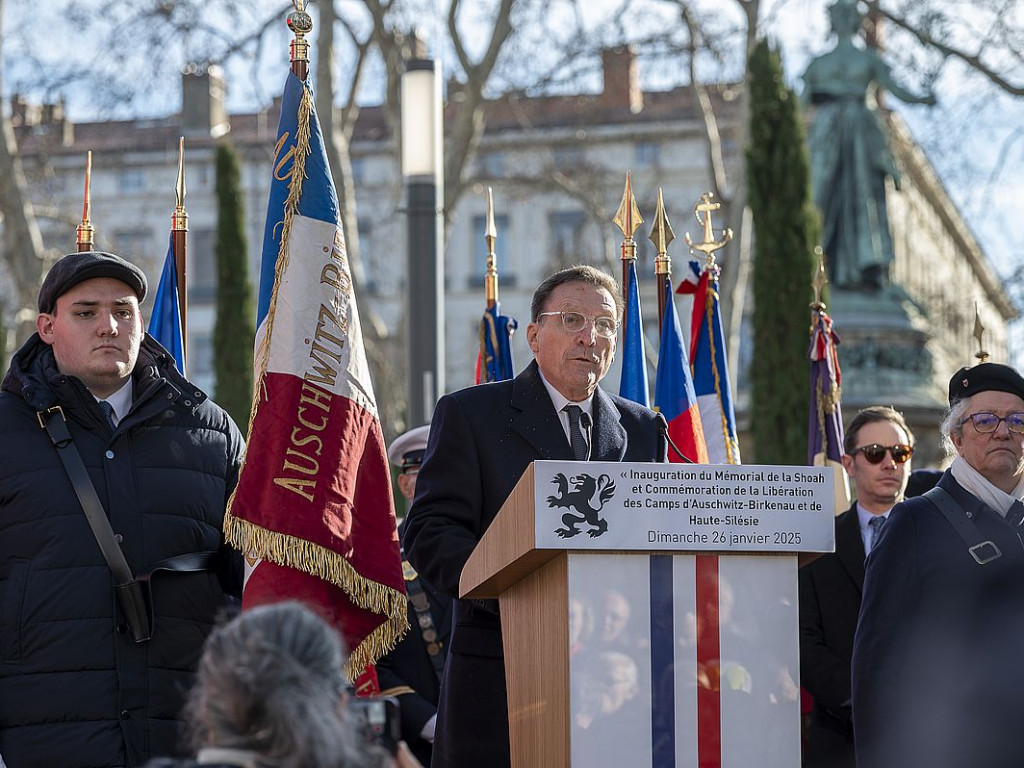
[165, 322]
[494, 362]
[633, 384]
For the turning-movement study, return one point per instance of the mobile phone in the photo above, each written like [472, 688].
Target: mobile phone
[379, 720]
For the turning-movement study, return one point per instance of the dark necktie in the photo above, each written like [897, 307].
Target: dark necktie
[580, 450]
[108, 411]
[876, 524]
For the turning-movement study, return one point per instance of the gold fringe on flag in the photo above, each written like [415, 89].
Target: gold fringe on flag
[290, 551]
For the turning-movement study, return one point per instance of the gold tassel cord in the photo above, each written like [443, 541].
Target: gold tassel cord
[328, 565]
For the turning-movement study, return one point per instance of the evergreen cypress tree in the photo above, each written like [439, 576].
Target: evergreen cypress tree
[234, 332]
[786, 228]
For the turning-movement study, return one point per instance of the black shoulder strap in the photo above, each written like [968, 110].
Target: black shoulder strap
[55, 424]
[983, 551]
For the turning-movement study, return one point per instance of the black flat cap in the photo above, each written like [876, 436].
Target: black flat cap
[985, 377]
[78, 267]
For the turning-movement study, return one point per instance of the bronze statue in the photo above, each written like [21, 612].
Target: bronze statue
[850, 155]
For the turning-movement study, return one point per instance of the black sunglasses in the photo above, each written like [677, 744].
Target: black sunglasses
[875, 453]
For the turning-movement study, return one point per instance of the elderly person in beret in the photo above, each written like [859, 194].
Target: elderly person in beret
[114, 470]
[937, 576]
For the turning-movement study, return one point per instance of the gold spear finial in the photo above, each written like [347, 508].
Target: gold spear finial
[979, 331]
[819, 282]
[706, 206]
[84, 233]
[179, 219]
[301, 24]
[491, 236]
[661, 235]
[628, 218]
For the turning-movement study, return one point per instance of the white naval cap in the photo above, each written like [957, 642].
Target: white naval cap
[407, 449]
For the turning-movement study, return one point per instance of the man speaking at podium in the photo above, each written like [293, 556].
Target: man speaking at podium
[481, 441]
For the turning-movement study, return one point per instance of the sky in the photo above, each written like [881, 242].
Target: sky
[974, 136]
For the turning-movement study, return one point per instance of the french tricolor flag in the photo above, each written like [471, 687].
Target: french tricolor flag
[709, 365]
[313, 509]
[683, 661]
[674, 396]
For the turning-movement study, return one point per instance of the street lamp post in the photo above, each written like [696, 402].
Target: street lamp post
[423, 172]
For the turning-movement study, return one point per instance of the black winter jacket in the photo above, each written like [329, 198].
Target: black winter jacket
[75, 690]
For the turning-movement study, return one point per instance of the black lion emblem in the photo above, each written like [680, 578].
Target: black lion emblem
[581, 498]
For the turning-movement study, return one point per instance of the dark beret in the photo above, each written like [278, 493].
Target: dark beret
[79, 267]
[985, 377]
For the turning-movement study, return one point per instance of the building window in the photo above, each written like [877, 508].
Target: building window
[565, 235]
[647, 153]
[491, 165]
[200, 362]
[131, 180]
[358, 170]
[567, 156]
[134, 244]
[506, 274]
[371, 283]
[202, 273]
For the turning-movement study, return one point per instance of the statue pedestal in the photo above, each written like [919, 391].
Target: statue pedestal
[889, 356]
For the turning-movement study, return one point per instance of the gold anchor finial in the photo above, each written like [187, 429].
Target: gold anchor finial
[706, 206]
[627, 219]
[979, 331]
[820, 281]
[491, 236]
[661, 235]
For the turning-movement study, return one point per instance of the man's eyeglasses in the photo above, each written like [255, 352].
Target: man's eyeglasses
[875, 453]
[989, 422]
[574, 322]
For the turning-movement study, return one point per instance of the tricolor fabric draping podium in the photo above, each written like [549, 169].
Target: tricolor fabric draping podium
[649, 611]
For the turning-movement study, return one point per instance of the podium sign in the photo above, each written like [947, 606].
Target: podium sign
[704, 507]
[649, 611]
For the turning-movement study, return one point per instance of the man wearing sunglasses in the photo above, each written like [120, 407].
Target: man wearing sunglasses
[481, 440]
[922, 690]
[878, 447]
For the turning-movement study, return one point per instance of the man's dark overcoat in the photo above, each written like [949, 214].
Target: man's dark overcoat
[75, 690]
[915, 649]
[830, 594]
[481, 441]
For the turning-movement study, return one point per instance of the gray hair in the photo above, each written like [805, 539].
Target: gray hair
[270, 681]
[581, 273]
[952, 425]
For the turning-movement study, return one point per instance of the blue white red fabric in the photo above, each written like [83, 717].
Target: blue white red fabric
[633, 384]
[709, 365]
[313, 509]
[825, 425]
[165, 322]
[674, 396]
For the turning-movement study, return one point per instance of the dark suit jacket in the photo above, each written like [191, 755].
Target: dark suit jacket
[481, 441]
[914, 649]
[408, 674]
[830, 594]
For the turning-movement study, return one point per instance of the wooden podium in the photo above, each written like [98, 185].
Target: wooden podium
[662, 629]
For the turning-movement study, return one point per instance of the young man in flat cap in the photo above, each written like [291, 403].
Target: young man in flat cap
[92, 676]
[412, 672]
[936, 577]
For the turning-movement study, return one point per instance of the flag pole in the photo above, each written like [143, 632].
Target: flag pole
[179, 240]
[979, 331]
[661, 235]
[84, 233]
[301, 24]
[627, 218]
[491, 236]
